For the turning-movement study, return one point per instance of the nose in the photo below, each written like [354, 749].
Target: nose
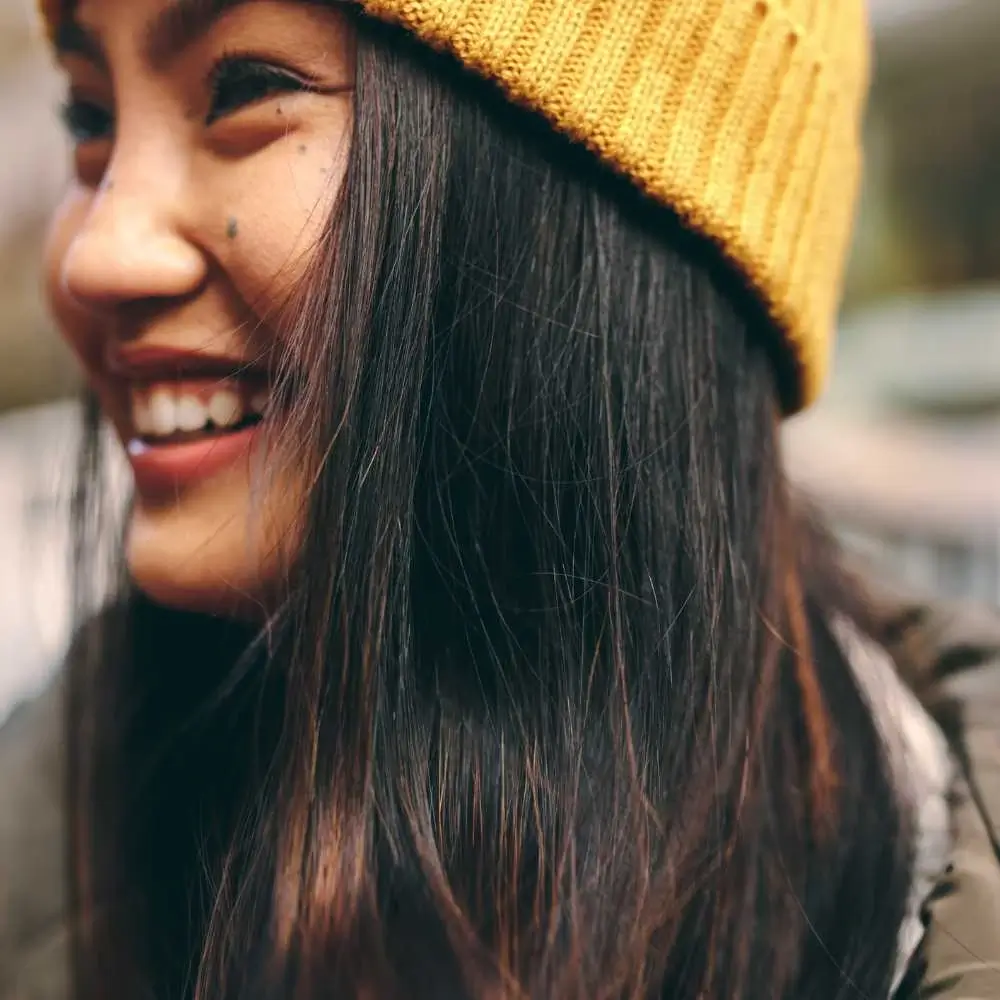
[131, 245]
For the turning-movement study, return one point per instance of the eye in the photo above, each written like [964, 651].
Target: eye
[238, 82]
[86, 121]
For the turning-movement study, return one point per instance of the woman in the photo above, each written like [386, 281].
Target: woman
[467, 643]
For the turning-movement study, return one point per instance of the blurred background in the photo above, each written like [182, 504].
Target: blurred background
[903, 453]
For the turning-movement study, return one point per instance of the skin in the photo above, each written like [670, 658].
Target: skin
[186, 228]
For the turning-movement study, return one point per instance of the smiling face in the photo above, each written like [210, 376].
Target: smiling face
[210, 141]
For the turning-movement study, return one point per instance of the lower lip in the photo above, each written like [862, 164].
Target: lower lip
[168, 468]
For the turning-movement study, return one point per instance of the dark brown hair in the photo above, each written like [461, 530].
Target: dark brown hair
[549, 706]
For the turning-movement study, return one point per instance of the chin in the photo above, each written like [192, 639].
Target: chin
[185, 557]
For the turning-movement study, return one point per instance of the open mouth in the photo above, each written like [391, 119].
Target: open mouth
[195, 409]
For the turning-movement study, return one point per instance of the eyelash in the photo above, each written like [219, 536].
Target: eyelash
[85, 121]
[259, 79]
[235, 82]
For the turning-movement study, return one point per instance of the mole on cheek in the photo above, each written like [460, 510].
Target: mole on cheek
[302, 148]
[232, 228]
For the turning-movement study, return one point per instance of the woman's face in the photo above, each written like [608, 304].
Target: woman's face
[210, 139]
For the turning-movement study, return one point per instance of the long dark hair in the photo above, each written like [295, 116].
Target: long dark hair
[549, 706]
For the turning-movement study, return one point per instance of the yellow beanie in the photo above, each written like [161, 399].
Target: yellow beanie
[743, 116]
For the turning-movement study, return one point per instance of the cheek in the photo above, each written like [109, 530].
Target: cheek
[277, 206]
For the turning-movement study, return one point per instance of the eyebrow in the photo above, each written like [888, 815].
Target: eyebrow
[167, 34]
[179, 25]
[72, 39]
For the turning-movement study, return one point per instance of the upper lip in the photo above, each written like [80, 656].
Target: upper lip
[153, 362]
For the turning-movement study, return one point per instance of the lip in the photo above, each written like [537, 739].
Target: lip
[167, 469]
[149, 363]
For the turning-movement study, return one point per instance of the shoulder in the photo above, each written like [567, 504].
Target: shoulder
[950, 656]
[33, 961]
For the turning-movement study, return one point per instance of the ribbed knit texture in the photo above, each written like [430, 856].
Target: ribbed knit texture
[743, 116]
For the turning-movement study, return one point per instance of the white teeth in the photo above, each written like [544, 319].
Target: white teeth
[141, 415]
[224, 408]
[166, 410]
[191, 415]
[162, 413]
[258, 402]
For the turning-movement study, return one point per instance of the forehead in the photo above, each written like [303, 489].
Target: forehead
[167, 26]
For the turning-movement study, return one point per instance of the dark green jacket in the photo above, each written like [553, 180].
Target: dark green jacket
[951, 659]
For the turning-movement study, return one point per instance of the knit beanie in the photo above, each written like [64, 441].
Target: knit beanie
[742, 116]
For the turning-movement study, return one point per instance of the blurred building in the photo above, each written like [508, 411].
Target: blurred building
[931, 215]
[904, 451]
[33, 363]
